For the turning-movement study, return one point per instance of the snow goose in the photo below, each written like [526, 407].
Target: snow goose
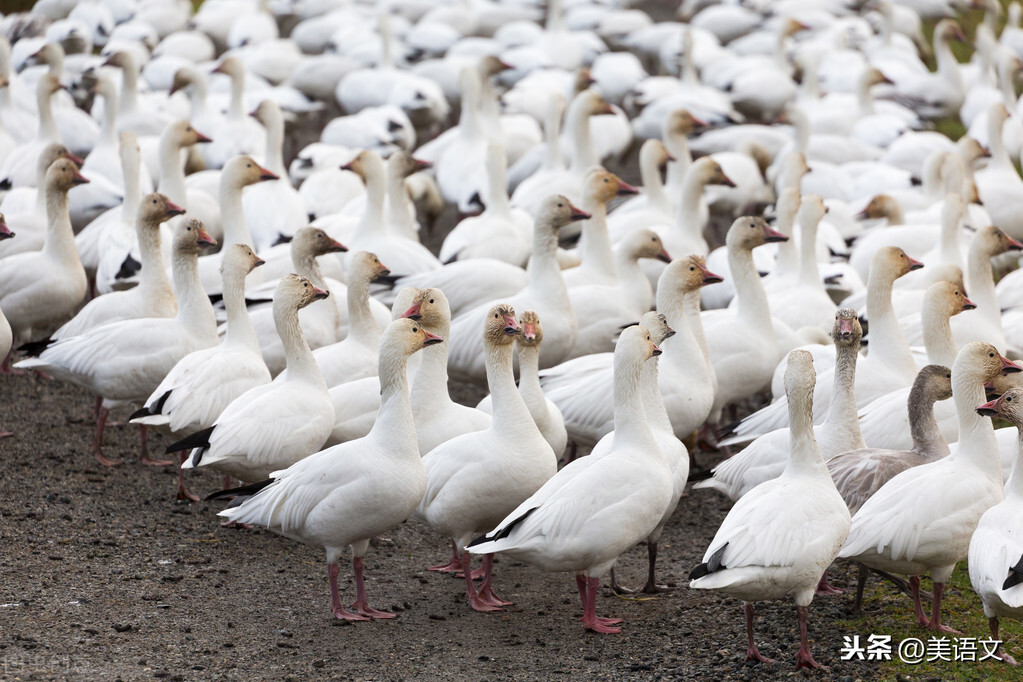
[999, 181]
[860, 473]
[352, 357]
[546, 294]
[882, 422]
[889, 364]
[922, 519]
[582, 523]
[747, 331]
[124, 361]
[933, 95]
[476, 479]
[272, 425]
[19, 168]
[652, 206]
[545, 414]
[141, 118]
[320, 324]
[276, 210]
[996, 553]
[25, 208]
[199, 204]
[237, 133]
[598, 267]
[764, 459]
[6, 336]
[204, 382]
[354, 491]
[41, 290]
[459, 166]
[779, 539]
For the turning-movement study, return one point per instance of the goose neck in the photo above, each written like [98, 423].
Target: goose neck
[692, 315]
[1014, 486]
[595, 244]
[236, 228]
[687, 218]
[632, 281]
[980, 281]
[529, 378]
[887, 342]
[195, 312]
[996, 146]
[584, 155]
[805, 455]
[469, 118]
[977, 442]
[948, 247]
[372, 221]
[948, 66]
[510, 413]
[60, 239]
[48, 131]
[108, 133]
[653, 400]
[631, 425]
[864, 98]
[362, 326]
[300, 361]
[809, 274]
[937, 333]
[398, 203]
[240, 332]
[237, 109]
[789, 258]
[305, 264]
[749, 290]
[129, 89]
[923, 427]
[172, 170]
[395, 423]
[275, 146]
[153, 280]
[842, 414]
[675, 176]
[430, 383]
[544, 271]
[497, 192]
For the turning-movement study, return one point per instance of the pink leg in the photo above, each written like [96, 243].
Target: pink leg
[580, 582]
[470, 590]
[453, 566]
[486, 592]
[914, 590]
[182, 491]
[993, 624]
[335, 598]
[803, 657]
[6, 434]
[590, 619]
[97, 440]
[145, 458]
[824, 588]
[752, 654]
[361, 603]
[935, 622]
[227, 479]
[6, 368]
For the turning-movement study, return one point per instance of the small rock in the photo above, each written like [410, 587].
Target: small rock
[285, 633]
[436, 617]
[319, 663]
[121, 627]
[483, 658]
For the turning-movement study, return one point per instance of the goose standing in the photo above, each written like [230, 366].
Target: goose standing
[41, 290]
[354, 491]
[27, 214]
[203, 383]
[476, 479]
[6, 336]
[996, 551]
[124, 361]
[271, 426]
[582, 523]
[779, 538]
[922, 519]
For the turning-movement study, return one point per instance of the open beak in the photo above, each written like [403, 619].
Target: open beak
[79, 179]
[886, 79]
[265, 174]
[968, 304]
[529, 331]
[349, 166]
[202, 138]
[319, 294]
[413, 312]
[709, 277]
[384, 272]
[5, 231]
[511, 326]
[657, 351]
[670, 156]
[431, 339]
[663, 256]
[699, 123]
[726, 181]
[503, 65]
[1015, 244]
[914, 264]
[204, 238]
[773, 235]
[606, 109]
[336, 247]
[988, 409]
[1008, 366]
[625, 188]
[173, 210]
[578, 214]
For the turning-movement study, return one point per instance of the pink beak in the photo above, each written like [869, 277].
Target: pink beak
[657, 351]
[845, 328]
[578, 214]
[204, 238]
[319, 294]
[259, 261]
[529, 331]
[773, 235]
[511, 325]
[423, 165]
[625, 188]
[413, 311]
[709, 277]
[202, 138]
[5, 231]
[1015, 244]
[431, 338]
[173, 210]
[1008, 366]
[914, 264]
[265, 174]
[336, 247]
[968, 304]
[79, 179]
[77, 159]
[988, 409]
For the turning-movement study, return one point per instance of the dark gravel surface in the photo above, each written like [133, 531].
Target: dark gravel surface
[105, 576]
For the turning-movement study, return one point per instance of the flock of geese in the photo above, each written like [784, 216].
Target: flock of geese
[309, 356]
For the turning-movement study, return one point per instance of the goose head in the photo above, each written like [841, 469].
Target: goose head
[949, 298]
[366, 267]
[239, 259]
[932, 383]
[430, 306]
[709, 172]
[847, 331]
[155, 209]
[242, 171]
[231, 67]
[654, 153]
[1008, 406]
[267, 112]
[532, 331]
[184, 135]
[687, 274]
[104, 87]
[601, 186]
[405, 337]
[583, 80]
[644, 243]
[971, 150]
[402, 164]
[948, 30]
[5, 231]
[49, 54]
[191, 236]
[893, 262]
[501, 327]
[310, 242]
[184, 77]
[490, 65]
[48, 85]
[983, 362]
[123, 60]
[799, 376]
[53, 152]
[637, 344]
[295, 291]
[657, 324]
[63, 175]
[556, 211]
[366, 163]
[873, 76]
[681, 123]
[880, 206]
[592, 103]
[991, 241]
[811, 209]
[749, 232]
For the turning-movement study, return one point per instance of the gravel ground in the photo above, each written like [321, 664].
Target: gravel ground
[105, 576]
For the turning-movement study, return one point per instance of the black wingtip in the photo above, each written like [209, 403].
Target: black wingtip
[701, 475]
[5, 184]
[216, 298]
[283, 238]
[129, 268]
[246, 490]
[503, 532]
[1015, 575]
[35, 348]
[141, 412]
[199, 439]
[712, 565]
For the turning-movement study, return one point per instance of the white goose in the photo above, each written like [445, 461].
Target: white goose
[199, 204]
[124, 361]
[779, 539]
[6, 336]
[546, 294]
[272, 425]
[922, 519]
[25, 207]
[582, 523]
[203, 383]
[41, 290]
[351, 492]
[476, 479]
[996, 552]
[597, 267]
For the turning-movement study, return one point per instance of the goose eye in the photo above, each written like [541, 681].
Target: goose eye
[495, 316]
[305, 284]
[560, 205]
[990, 355]
[431, 300]
[1008, 399]
[154, 202]
[606, 180]
[691, 268]
[415, 329]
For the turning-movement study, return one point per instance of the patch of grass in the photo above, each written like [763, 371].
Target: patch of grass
[888, 612]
